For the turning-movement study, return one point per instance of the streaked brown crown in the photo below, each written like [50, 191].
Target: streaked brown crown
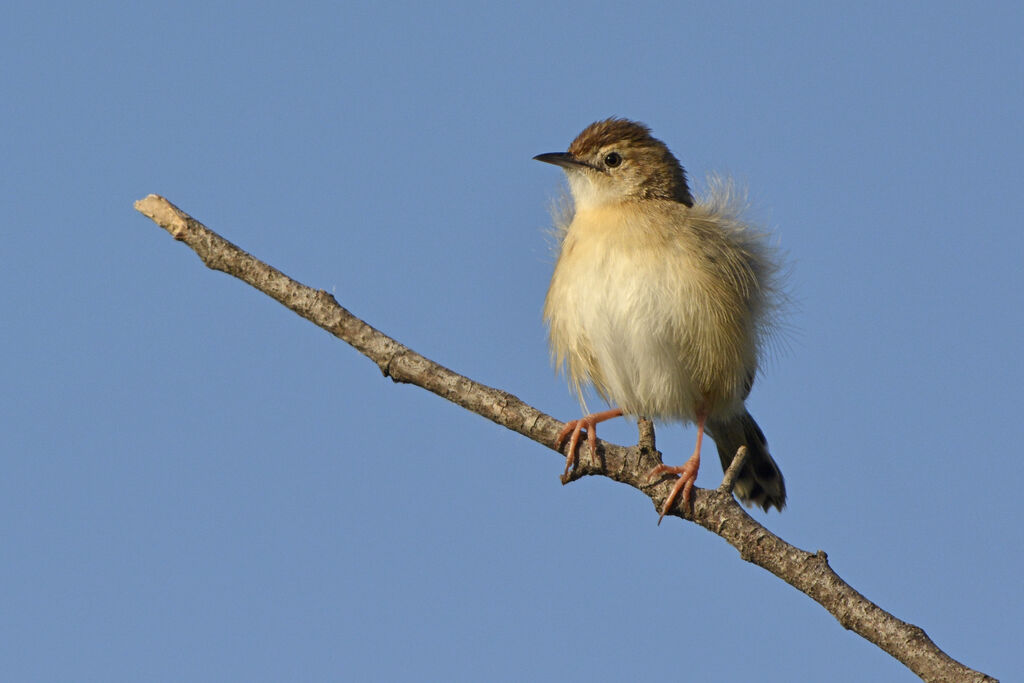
[662, 176]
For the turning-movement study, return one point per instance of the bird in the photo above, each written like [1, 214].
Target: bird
[662, 303]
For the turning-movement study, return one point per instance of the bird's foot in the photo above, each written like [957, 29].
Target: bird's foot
[586, 423]
[687, 477]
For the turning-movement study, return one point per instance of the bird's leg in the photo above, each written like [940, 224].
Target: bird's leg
[687, 472]
[588, 422]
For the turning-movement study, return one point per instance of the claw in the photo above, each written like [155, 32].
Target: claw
[687, 473]
[687, 477]
[575, 427]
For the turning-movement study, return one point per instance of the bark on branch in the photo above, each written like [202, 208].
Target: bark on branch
[715, 510]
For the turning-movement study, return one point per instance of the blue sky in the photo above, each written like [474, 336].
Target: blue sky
[199, 485]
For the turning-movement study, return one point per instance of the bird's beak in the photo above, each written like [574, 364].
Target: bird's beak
[563, 159]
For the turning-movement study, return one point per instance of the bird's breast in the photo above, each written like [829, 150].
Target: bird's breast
[628, 313]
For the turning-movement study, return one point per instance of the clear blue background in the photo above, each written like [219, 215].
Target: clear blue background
[199, 485]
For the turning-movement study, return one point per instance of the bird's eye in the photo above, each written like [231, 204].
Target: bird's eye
[612, 159]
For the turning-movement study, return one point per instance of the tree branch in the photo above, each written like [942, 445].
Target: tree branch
[715, 510]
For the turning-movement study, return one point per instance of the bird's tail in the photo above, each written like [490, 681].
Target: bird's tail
[760, 481]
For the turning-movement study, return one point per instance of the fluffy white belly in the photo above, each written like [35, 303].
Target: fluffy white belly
[636, 339]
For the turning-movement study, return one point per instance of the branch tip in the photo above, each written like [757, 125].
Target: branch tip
[729, 480]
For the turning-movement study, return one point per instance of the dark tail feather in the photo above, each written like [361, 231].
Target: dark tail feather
[760, 481]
